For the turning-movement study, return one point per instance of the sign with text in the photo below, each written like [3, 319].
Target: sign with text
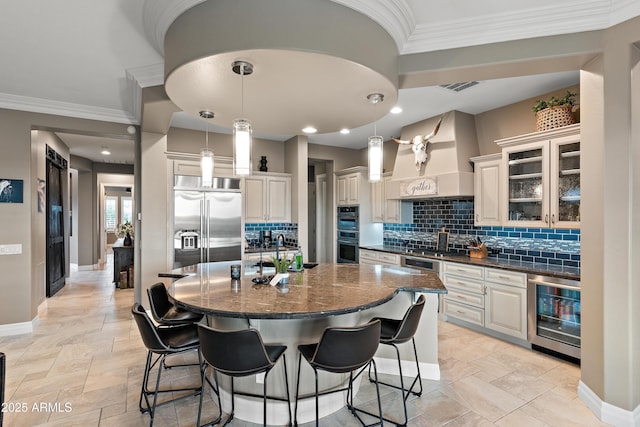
[427, 186]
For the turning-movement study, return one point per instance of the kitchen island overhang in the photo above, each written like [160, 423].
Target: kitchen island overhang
[327, 295]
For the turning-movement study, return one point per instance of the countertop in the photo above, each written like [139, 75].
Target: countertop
[572, 273]
[327, 289]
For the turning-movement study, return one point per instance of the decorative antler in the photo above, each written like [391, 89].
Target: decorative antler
[420, 144]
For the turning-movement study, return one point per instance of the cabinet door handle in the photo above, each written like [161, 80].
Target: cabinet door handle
[546, 219]
[477, 217]
[553, 218]
[484, 291]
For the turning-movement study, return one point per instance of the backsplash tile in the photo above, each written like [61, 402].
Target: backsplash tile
[290, 231]
[544, 245]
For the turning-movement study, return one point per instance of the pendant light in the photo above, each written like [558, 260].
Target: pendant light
[375, 145]
[206, 155]
[242, 127]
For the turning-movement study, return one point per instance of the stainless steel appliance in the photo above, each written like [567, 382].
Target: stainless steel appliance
[422, 263]
[348, 242]
[207, 224]
[554, 314]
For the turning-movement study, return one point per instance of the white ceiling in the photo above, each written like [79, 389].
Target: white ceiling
[88, 59]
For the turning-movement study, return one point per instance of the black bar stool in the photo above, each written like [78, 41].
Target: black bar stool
[341, 350]
[162, 342]
[240, 354]
[165, 312]
[395, 332]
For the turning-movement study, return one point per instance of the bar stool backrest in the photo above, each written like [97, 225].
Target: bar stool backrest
[148, 330]
[344, 349]
[159, 301]
[234, 353]
[3, 375]
[410, 322]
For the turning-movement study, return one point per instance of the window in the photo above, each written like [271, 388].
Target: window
[110, 213]
[126, 210]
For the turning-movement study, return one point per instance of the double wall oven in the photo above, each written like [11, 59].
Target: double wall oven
[348, 238]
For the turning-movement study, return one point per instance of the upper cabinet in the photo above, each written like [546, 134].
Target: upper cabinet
[267, 198]
[388, 210]
[487, 179]
[541, 183]
[351, 185]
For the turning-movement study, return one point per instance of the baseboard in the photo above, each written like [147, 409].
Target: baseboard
[606, 412]
[428, 371]
[90, 267]
[19, 328]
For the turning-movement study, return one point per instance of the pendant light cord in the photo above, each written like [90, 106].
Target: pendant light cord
[242, 90]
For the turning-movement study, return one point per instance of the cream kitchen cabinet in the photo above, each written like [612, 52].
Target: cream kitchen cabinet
[541, 183]
[389, 210]
[505, 303]
[378, 258]
[487, 179]
[491, 298]
[352, 186]
[267, 198]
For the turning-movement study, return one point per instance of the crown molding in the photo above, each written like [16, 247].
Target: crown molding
[158, 15]
[558, 19]
[67, 109]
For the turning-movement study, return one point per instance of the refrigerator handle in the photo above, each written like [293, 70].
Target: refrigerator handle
[208, 225]
[202, 240]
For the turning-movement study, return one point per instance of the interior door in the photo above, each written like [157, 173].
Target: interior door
[56, 263]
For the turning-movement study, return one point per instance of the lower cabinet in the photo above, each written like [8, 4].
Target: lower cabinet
[377, 258]
[491, 298]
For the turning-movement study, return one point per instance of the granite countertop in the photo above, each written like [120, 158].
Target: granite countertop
[327, 289]
[572, 273]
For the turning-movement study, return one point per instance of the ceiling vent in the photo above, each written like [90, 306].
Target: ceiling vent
[458, 87]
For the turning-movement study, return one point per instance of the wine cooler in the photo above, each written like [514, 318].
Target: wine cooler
[554, 314]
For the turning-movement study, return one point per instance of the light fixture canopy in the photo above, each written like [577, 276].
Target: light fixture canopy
[242, 127]
[206, 155]
[375, 144]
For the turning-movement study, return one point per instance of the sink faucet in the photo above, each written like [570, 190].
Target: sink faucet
[280, 236]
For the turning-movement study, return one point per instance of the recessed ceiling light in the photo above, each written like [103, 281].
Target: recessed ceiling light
[105, 151]
[345, 131]
[396, 110]
[309, 129]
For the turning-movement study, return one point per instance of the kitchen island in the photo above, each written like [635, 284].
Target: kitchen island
[315, 298]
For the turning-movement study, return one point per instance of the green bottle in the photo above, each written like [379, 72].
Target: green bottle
[299, 258]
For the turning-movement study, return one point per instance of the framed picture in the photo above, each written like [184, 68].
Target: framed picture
[10, 190]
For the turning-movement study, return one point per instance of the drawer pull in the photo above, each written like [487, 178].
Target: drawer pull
[461, 297]
[460, 312]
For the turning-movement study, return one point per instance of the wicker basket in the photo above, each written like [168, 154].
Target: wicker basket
[554, 117]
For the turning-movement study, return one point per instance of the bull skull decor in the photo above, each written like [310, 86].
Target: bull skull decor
[420, 145]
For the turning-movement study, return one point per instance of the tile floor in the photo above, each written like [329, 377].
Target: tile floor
[83, 367]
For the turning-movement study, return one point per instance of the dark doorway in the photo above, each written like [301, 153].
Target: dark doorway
[56, 263]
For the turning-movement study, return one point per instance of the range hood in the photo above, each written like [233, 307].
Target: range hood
[448, 171]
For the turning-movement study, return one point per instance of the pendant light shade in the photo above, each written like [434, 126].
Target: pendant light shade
[242, 146]
[206, 166]
[242, 127]
[375, 144]
[206, 155]
[375, 158]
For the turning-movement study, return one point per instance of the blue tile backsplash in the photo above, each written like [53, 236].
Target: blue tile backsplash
[544, 245]
[290, 231]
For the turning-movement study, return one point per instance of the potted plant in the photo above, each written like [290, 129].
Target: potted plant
[282, 267]
[554, 112]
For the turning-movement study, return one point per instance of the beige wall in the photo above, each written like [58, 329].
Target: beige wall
[192, 141]
[514, 119]
[342, 157]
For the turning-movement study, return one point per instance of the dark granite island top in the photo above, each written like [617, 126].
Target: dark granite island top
[327, 289]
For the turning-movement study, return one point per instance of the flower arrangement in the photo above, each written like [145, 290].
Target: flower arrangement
[124, 229]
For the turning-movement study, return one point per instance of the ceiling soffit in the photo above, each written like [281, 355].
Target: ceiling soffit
[303, 74]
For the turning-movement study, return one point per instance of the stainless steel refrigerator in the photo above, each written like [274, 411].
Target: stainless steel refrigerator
[207, 225]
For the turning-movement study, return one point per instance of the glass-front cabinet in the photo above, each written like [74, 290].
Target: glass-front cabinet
[542, 179]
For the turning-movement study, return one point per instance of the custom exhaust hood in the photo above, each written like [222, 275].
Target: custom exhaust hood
[447, 171]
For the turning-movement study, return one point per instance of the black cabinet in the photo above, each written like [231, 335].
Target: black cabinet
[122, 259]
